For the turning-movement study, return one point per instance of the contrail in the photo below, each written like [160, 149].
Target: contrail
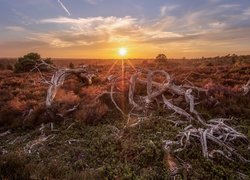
[65, 9]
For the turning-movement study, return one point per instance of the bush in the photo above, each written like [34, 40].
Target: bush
[91, 115]
[9, 67]
[29, 61]
[161, 59]
[71, 65]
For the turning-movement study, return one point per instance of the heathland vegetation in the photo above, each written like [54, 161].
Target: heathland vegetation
[83, 121]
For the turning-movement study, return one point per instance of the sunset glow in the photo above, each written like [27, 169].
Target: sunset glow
[122, 51]
[96, 28]
[133, 89]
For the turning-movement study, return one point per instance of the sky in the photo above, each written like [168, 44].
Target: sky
[98, 28]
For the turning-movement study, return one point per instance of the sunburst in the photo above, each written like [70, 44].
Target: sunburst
[122, 52]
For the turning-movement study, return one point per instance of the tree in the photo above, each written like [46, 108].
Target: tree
[161, 59]
[29, 61]
[71, 65]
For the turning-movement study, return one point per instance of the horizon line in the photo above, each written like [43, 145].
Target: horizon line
[136, 58]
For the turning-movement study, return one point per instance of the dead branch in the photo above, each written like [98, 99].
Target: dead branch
[195, 88]
[30, 147]
[209, 134]
[217, 132]
[113, 82]
[190, 99]
[135, 119]
[58, 78]
[5, 133]
[178, 110]
[246, 88]
[132, 81]
[151, 95]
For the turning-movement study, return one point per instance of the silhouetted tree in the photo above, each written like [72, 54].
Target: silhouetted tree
[161, 59]
[71, 65]
[29, 61]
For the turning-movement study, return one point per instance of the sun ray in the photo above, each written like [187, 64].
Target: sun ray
[123, 74]
[130, 63]
[111, 68]
[123, 86]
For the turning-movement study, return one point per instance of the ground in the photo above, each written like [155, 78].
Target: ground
[94, 142]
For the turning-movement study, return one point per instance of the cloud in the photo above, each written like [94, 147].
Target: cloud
[87, 31]
[64, 7]
[20, 44]
[214, 1]
[246, 12]
[94, 30]
[26, 20]
[205, 25]
[222, 25]
[14, 28]
[93, 2]
[229, 6]
[110, 21]
[166, 8]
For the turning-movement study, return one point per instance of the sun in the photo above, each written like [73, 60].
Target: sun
[122, 51]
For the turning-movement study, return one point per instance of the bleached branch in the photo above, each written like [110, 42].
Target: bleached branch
[218, 133]
[176, 109]
[246, 88]
[58, 78]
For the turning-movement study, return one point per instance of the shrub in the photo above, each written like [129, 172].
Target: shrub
[69, 97]
[9, 117]
[91, 115]
[71, 65]
[29, 61]
[40, 115]
[161, 59]
[9, 67]
[17, 104]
